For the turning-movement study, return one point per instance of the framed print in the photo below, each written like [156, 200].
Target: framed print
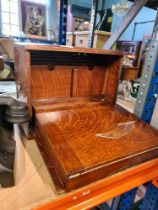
[34, 23]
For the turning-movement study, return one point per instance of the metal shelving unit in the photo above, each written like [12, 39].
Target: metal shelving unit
[92, 23]
[148, 89]
[63, 22]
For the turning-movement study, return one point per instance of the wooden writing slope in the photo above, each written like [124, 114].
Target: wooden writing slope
[72, 92]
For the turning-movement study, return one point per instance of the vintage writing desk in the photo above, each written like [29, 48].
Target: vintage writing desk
[71, 93]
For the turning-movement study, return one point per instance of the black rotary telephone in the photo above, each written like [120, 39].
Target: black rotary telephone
[11, 112]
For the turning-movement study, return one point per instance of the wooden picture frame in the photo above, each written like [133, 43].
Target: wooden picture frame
[34, 21]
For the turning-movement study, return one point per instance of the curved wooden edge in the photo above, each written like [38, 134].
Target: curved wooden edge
[103, 190]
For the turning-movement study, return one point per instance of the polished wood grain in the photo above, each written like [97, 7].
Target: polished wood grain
[72, 92]
[79, 156]
[111, 80]
[67, 103]
[49, 72]
[88, 82]
[73, 100]
[48, 84]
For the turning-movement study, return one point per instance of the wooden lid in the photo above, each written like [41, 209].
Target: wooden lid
[49, 72]
[81, 156]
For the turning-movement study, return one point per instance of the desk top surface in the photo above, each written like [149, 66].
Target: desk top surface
[72, 131]
[33, 183]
